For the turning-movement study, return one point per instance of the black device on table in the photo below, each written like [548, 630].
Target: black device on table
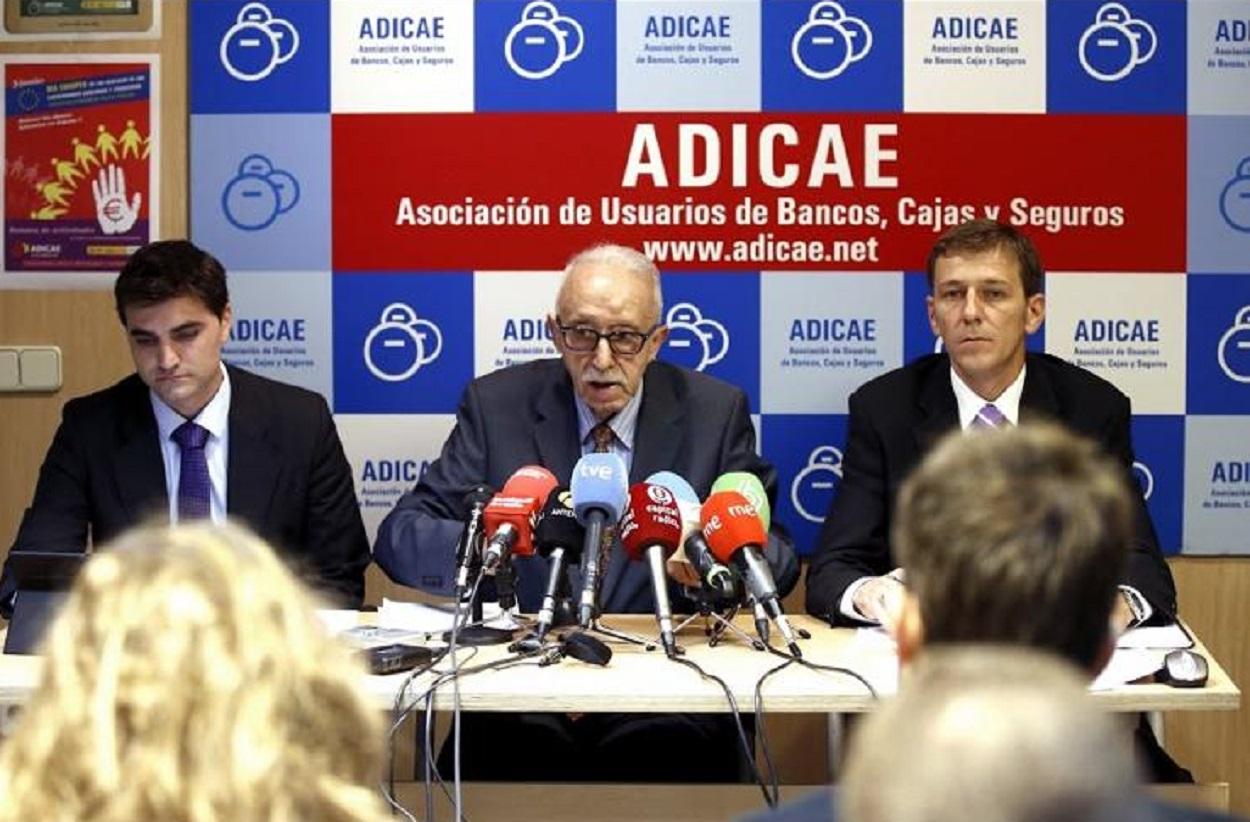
[391, 659]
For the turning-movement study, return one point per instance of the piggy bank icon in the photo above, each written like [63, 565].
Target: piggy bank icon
[401, 343]
[542, 41]
[829, 42]
[813, 488]
[1115, 44]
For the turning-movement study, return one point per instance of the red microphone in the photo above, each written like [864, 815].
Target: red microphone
[651, 530]
[736, 535]
[510, 514]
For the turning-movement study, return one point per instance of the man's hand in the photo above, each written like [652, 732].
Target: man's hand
[682, 569]
[114, 214]
[1121, 614]
[880, 599]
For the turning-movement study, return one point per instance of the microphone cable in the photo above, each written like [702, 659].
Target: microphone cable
[737, 718]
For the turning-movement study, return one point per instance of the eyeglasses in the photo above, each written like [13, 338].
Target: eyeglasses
[584, 338]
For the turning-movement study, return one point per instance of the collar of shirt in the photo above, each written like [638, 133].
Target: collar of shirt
[215, 416]
[970, 402]
[623, 424]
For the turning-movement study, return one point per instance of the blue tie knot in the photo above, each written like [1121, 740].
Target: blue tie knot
[190, 436]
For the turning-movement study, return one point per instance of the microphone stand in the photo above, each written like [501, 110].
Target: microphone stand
[714, 624]
[474, 632]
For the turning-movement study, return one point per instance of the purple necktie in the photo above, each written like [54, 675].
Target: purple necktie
[193, 484]
[989, 417]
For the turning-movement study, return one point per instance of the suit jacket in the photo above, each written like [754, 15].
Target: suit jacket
[688, 423]
[896, 418]
[287, 478]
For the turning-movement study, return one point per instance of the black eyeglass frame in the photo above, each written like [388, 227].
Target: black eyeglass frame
[636, 340]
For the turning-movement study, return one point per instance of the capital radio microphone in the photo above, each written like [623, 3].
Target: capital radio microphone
[470, 541]
[651, 532]
[510, 515]
[600, 489]
[558, 537]
[736, 535]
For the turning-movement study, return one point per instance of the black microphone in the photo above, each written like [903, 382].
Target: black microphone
[716, 577]
[557, 536]
[470, 547]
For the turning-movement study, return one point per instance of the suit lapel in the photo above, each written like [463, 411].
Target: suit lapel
[1038, 400]
[939, 413]
[252, 462]
[139, 469]
[555, 428]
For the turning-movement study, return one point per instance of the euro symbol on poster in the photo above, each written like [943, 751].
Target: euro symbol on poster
[401, 343]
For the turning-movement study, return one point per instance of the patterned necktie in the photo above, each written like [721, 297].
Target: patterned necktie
[601, 435]
[193, 483]
[989, 417]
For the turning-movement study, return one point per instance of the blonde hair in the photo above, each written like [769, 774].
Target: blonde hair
[187, 678]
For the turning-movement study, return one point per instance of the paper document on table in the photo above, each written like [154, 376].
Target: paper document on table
[866, 658]
[1162, 637]
[434, 619]
[1128, 665]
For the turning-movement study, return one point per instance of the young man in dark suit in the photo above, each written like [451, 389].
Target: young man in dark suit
[186, 436]
[985, 282]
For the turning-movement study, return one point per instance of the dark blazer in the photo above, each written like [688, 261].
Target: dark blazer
[689, 423]
[287, 478]
[896, 418]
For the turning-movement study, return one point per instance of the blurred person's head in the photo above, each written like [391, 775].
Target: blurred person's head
[187, 677]
[1014, 536]
[607, 325]
[993, 734]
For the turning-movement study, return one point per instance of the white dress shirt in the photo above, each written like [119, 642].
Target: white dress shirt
[216, 418]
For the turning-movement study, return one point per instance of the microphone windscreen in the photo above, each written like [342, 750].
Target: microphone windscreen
[730, 522]
[530, 481]
[600, 482]
[687, 499]
[557, 527]
[749, 486]
[653, 518]
[477, 497]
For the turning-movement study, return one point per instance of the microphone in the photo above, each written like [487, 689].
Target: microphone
[735, 533]
[749, 486]
[687, 500]
[651, 529]
[510, 515]
[471, 540]
[557, 536]
[716, 578]
[599, 491]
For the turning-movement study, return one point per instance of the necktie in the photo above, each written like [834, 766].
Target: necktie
[989, 417]
[193, 484]
[603, 437]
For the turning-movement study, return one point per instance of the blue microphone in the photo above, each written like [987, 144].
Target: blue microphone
[600, 490]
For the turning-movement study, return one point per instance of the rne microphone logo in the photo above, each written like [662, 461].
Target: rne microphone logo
[1115, 44]
[695, 341]
[257, 43]
[401, 343]
[829, 42]
[542, 41]
[813, 488]
[747, 510]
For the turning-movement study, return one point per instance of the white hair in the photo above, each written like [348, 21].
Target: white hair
[622, 257]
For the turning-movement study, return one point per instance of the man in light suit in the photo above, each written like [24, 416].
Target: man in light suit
[985, 298]
[607, 328]
[186, 436]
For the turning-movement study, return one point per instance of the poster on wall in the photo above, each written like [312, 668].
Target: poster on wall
[80, 167]
[77, 19]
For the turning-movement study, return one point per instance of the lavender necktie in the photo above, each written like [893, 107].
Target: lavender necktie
[193, 484]
[989, 417]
